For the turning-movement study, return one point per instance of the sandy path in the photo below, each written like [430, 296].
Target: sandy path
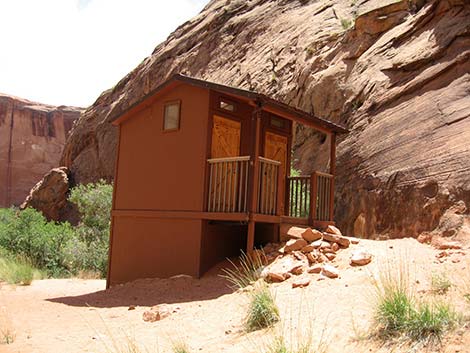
[72, 315]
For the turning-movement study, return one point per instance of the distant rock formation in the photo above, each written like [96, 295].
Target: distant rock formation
[32, 137]
[396, 73]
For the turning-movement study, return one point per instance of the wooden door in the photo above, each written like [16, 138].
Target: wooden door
[225, 143]
[276, 148]
[225, 138]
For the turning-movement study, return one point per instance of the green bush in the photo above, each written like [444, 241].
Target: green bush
[89, 250]
[59, 248]
[400, 314]
[16, 269]
[29, 234]
[262, 311]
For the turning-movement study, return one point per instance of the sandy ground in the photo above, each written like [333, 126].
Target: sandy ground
[73, 315]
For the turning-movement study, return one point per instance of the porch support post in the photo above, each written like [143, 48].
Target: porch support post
[333, 173]
[254, 180]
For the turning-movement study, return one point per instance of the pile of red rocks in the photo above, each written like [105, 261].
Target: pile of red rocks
[309, 251]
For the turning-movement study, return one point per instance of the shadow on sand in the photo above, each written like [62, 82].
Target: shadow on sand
[149, 292]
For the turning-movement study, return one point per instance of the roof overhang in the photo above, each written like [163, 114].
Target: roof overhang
[253, 98]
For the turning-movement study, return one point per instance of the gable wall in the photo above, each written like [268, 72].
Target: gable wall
[164, 170]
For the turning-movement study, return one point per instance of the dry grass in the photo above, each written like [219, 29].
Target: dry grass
[7, 332]
[262, 310]
[247, 272]
[399, 315]
[440, 283]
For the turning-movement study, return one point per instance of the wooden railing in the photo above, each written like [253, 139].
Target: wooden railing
[228, 184]
[323, 191]
[268, 186]
[298, 191]
[311, 197]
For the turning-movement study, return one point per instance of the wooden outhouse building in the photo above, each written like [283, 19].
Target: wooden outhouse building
[203, 172]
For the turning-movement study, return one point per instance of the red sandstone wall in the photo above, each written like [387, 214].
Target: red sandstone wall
[32, 137]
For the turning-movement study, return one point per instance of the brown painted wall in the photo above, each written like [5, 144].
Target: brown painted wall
[164, 170]
[151, 247]
[160, 171]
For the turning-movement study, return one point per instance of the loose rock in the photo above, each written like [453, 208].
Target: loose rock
[301, 282]
[294, 244]
[310, 235]
[156, 313]
[333, 230]
[360, 257]
[330, 271]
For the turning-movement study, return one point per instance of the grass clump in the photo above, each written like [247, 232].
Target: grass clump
[346, 24]
[279, 345]
[429, 322]
[17, 270]
[7, 333]
[400, 315]
[262, 310]
[180, 347]
[440, 284]
[247, 272]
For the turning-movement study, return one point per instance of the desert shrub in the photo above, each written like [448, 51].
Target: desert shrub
[440, 284]
[346, 24]
[30, 235]
[16, 269]
[89, 249]
[430, 321]
[399, 314]
[247, 272]
[262, 310]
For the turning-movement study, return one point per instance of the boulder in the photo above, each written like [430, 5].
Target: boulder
[311, 235]
[329, 271]
[50, 194]
[360, 257]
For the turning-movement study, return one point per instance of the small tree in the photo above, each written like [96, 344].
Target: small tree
[90, 250]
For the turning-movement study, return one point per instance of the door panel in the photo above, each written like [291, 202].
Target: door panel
[275, 148]
[225, 143]
[225, 138]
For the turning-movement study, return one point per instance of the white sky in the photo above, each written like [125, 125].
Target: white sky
[66, 52]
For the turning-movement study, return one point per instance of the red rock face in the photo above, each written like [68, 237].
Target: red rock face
[32, 137]
[396, 73]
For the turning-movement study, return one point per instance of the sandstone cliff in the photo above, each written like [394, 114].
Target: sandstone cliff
[32, 137]
[396, 73]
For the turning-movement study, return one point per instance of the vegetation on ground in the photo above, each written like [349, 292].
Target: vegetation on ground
[180, 347]
[7, 333]
[279, 345]
[17, 269]
[400, 314]
[247, 272]
[28, 241]
[262, 310]
[440, 283]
